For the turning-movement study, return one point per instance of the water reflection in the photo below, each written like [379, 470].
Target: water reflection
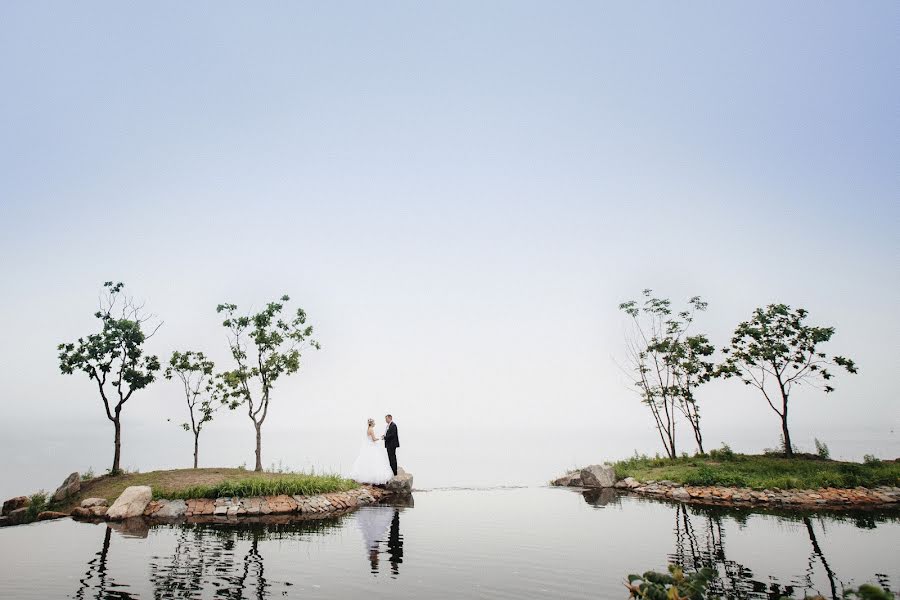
[97, 578]
[700, 542]
[381, 525]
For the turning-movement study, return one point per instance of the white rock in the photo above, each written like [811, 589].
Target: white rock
[172, 509]
[598, 476]
[131, 503]
[92, 502]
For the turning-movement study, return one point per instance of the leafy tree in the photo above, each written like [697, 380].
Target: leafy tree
[202, 394]
[114, 358]
[264, 346]
[776, 350]
[668, 365]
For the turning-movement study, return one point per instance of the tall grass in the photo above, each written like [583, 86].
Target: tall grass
[294, 484]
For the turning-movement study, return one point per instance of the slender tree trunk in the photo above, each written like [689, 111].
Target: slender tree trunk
[258, 447]
[788, 447]
[196, 447]
[117, 423]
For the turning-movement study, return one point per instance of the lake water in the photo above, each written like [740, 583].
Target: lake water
[492, 543]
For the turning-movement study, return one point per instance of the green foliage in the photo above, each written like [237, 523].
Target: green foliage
[822, 449]
[114, 358]
[678, 585]
[871, 459]
[39, 501]
[668, 364]
[725, 453]
[674, 585]
[264, 347]
[290, 484]
[776, 350]
[760, 472]
[88, 475]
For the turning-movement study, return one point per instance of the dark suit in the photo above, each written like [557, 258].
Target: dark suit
[392, 442]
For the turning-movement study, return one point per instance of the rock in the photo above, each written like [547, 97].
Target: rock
[598, 476]
[82, 513]
[570, 479]
[401, 483]
[17, 516]
[92, 502]
[632, 483]
[680, 494]
[131, 503]
[14, 504]
[69, 487]
[171, 509]
[50, 514]
[4, 521]
[99, 511]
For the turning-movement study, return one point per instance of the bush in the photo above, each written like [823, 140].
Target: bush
[38, 505]
[675, 584]
[724, 453]
[822, 449]
[871, 459]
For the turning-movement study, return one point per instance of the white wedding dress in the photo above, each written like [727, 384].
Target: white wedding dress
[372, 465]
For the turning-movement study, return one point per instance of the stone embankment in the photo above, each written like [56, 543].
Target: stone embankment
[137, 501]
[603, 476]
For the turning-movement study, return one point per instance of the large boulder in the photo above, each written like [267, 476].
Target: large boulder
[570, 479]
[131, 503]
[14, 504]
[401, 483]
[598, 476]
[18, 516]
[69, 487]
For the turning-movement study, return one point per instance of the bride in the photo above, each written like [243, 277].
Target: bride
[371, 466]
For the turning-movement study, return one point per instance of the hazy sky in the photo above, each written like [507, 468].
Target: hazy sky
[459, 194]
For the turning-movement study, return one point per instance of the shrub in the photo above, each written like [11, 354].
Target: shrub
[822, 449]
[871, 459]
[38, 505]
[724, 453]
[88, 475]
[652, 585]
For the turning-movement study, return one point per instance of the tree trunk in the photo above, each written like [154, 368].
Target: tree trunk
[196, 447]
[788, 447]
[258, 447]
[117, 423]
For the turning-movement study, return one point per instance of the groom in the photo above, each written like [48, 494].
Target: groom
[391, 441]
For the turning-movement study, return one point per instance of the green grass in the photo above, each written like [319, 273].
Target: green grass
[290, 484]
[209, 483]
[760, 471]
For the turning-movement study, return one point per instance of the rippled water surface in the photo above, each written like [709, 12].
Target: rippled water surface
[501, 543]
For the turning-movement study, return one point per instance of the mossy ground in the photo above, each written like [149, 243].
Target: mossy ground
[761, 471]
[209, 483]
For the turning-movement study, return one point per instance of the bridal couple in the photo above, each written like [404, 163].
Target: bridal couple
[376, 464]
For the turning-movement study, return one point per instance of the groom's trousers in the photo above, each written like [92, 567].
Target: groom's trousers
[392, 457]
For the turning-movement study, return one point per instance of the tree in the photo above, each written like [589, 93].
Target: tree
[114, 358]
[264, 347]
[667, 364]
[202, 394]
[775, 351]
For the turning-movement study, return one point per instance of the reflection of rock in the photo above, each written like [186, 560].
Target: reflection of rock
[401, 483]
[131, 503]
[601, 496]
[15, 504]
[135, 527]
[69, 487]
[404, 501]
[599, 476]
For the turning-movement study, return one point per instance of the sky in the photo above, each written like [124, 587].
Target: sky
[459, 195]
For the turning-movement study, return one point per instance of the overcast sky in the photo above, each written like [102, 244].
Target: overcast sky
[459, 195]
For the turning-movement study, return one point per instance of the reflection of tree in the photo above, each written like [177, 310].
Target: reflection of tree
[817, 552]
[211, 556]
[97, 577]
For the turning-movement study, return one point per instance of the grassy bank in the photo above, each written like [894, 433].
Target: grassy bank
[211, 483]
[760, 471]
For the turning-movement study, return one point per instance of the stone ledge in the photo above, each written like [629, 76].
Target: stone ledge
[817, 498]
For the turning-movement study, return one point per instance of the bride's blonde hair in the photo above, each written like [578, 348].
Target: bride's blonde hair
[371, 422]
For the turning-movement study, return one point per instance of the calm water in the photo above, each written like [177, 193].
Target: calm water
[500, 543]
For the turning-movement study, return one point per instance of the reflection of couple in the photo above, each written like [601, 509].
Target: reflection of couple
[374, 523]
[376, 464]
